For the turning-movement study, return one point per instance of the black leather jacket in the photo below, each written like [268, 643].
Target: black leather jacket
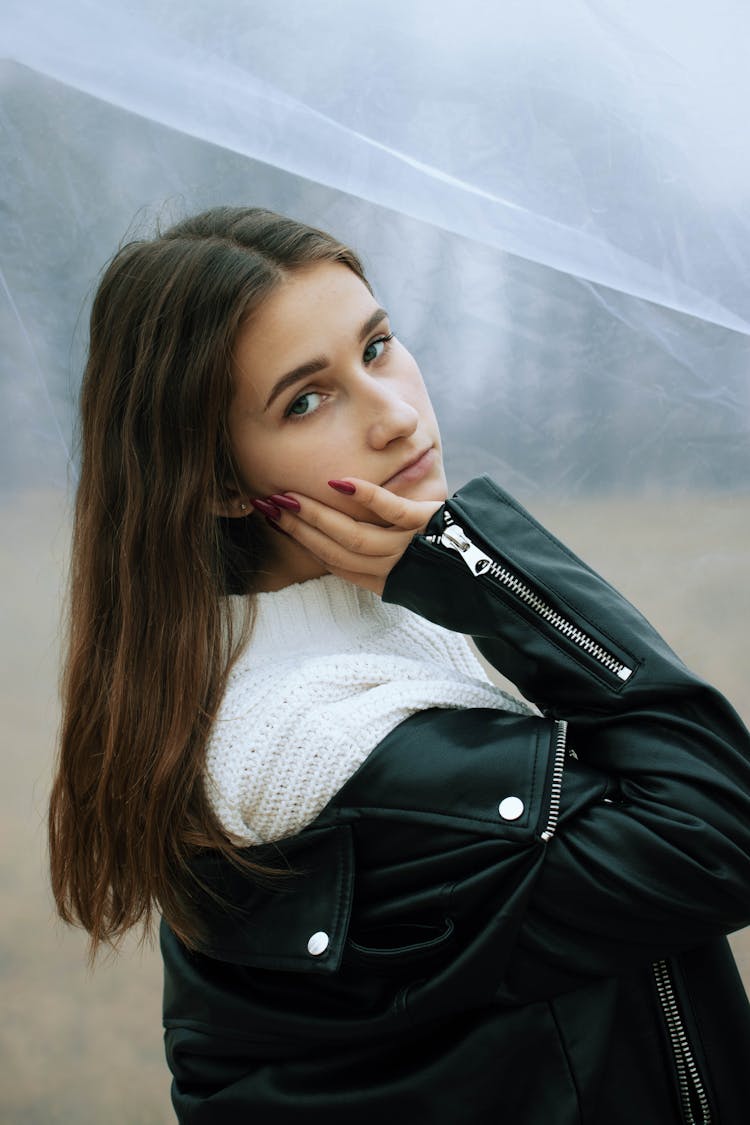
[502, 918]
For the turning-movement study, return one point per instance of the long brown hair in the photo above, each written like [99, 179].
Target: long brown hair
[150, 632]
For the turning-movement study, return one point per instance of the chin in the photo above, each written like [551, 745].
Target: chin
[424, 490]
[434, 487]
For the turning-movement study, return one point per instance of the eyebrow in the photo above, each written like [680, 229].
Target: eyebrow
[305, 370]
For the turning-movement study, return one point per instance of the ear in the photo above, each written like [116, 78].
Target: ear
[234, 504]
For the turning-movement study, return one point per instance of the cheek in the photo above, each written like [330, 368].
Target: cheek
[259, 460]
[299, 460]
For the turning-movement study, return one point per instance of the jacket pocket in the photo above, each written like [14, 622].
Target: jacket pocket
[399, 943]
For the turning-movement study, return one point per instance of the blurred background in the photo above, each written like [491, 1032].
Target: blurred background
[552, 202]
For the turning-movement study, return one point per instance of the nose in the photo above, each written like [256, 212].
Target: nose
[390, 417]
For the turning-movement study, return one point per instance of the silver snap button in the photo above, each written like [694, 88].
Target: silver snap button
[510, 808]
[318, 943]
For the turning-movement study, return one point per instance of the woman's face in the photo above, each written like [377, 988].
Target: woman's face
[321, 393]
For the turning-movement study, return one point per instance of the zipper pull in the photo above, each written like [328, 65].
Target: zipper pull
[456, 538]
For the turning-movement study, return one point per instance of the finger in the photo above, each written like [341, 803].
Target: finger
[348, 546]
[355, 536]
[395, 509]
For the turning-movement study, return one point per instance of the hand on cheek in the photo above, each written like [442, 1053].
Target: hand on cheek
[361, 548]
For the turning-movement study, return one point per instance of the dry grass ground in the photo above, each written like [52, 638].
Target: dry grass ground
[82, 1049]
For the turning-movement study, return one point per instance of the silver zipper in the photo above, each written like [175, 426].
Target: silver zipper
[557, 780]
[688, 1076]
[454, 537]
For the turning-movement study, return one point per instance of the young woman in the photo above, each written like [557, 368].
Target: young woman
[388, 889]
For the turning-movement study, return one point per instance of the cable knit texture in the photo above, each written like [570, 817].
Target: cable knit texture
[329, 671]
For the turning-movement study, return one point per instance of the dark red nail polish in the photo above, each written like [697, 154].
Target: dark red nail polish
[266, 508]
[283, 501]
[342, 486]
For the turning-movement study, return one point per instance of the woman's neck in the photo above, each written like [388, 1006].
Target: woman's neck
[283, 565]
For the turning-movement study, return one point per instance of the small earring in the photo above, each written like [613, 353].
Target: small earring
[243, 507]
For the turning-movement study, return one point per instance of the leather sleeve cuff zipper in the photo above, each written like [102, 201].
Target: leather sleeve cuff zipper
[454, 537]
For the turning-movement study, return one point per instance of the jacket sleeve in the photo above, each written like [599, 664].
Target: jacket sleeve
[651, 848]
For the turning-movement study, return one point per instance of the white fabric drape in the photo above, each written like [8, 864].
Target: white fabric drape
[552, 198]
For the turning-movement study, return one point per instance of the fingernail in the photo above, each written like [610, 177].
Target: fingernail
[283, 501]
[266, 508]
[342, 486]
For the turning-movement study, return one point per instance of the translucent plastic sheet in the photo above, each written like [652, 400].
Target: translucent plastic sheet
[552, 197]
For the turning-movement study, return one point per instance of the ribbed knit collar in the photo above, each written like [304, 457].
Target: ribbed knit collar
[321, 615]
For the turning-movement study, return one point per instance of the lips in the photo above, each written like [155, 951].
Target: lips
[408, 465]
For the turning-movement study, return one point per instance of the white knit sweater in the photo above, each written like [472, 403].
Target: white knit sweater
[329, 671]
